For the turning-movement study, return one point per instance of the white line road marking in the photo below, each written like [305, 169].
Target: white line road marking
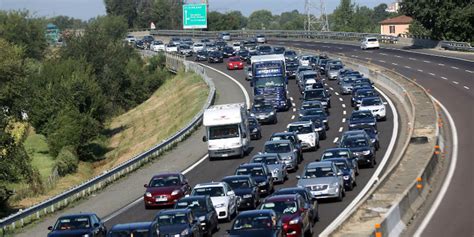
[440, 64]
[447, 180]
[340, 129]
[340, 99]
[291, 98]
[407, 67]
[325, 84]
[336, 93]
[335, 139]
[466, 87]
[412, 59]
[384, 54]
[469, 71]
[455, 82]
[420, 70]
[368, 58]
[330, 88]
[444, 78]
[432, 74]
[398, 56]
[396, 64]
[343, 105]
[292, 116]
[381, 61]
[293, 104]
[352, 55]
[426, 61]
[339, 47]
[344, 112]
[454, 67]
[294, 109]
[343, 120]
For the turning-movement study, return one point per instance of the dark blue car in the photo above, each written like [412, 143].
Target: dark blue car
[82, 224]
[255, 128]
[138, 229]
[362, 117]
[245, 187]
[256, 223]
[177, 222]
[203, 210]
[362, 147]
[260, 173]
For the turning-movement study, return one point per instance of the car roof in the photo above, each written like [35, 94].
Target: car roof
[210, 184]
[309, 72]
[300, 123]
[237, 177]
[283, 134]
[77, 214]
[319, 164]
[280, 198]
[194, 197]
[174, 211]
[250, 165]
[132, 226]
[256, 212]
[278, 142]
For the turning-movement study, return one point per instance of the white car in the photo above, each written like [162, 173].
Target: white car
[236, 46]
[171, 48]
[307, 134]
[223, 198]
[305, 60]
[157, 46]
[198, 47]
[308, 84]
[374, 105]
[370, 43]
[261, 39]
[130, 39]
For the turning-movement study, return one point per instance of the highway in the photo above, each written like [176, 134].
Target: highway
[216, 170]
[450, 81]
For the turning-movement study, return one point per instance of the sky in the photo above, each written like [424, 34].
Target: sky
[86, 9]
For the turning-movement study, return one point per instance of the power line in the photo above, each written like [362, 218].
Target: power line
[316, 17]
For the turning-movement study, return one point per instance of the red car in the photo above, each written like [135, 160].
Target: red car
[235, 63]
[165, 190]
[293, 213]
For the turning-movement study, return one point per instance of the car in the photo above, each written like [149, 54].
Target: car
[198, 47]
[260, 173]
[318, 94]
[185, 50]
[130, 39]
[243, 54]
[265, 113]
[228, 51]
[323, 179]
[360, 86]
[215, 57]
[362, 147]
[274, 163]
[371, 132]
[292, 212]
[246, 188]
[318, 123]
[264, 49]
[140, 44]
[305, 60]
[369, 43]
[255, 128]
[312, 104]
[210, 47]
[178, 222]
[291, 68]
[203, 210]
[322, 66]
[261, 223]
[144, 229]
[225, 36]
[348, 172]
[360, 94]
[306, 133]
[363, 80]
[286, 150]
[279, 50]
[81, 224]
[235, 63]
[345, 153]
[311, 83]
[261, 39]
[201, 55]
[171, 48]
[346, 85]
[374, 105]
[303, 68]
[250, 44]
[315, 113]
[362, 117]
[290, 56]
[236, 46]
[175, 40]
[223, 198]
[148, 39]
[311, 203]
[303, 76]
[248, 73]
[157, 46]
[165, 189]
[293, 138]
[333, 71]
[220, 44]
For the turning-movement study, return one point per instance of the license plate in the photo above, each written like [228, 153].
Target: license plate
[161, 199]
[235, 66]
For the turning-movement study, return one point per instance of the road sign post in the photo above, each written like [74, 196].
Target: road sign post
[195, 16]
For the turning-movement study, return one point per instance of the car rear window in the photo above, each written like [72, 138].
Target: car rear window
[372, 40]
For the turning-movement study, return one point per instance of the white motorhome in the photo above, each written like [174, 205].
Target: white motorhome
[227, 130]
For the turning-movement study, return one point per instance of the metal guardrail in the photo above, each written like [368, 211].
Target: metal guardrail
[62, 200]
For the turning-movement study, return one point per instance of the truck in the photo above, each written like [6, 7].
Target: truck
[227, 130]
[270, 80]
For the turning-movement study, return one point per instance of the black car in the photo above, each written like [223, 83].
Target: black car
[243, 54]
[362, 147]
[264, 49]
[255, 128]
[201, 55]
[290, 56]
[319, 95]
[256, 223]
[319, 124]
[82, 224]
[291, 68]
[360, 94]
[293, 138]
[265, 113]
[246, 188]
[260, 173]
[315, 114]
[345, 153]
[279, 50]
[215, 57]
[203, 210]
[371, 132]
[221, 44]
[251, 53]
[140, 44]
[180, 222]
[142, 229]
[304, 192]
[362, 117]
[147, 39]
[228, 51]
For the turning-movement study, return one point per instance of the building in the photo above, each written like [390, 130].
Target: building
[52, 33]
[393, 7]
[395, 26]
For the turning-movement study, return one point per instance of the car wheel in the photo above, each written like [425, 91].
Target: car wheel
[242, 153]
[323, 136]
[259, 135]
[351, 186]
[229, 216]
[372, 163]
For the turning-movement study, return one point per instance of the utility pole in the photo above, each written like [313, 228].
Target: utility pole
[317, 21]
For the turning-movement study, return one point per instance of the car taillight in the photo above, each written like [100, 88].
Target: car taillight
[285, 226]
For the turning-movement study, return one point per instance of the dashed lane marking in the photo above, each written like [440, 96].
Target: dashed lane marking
[384, 54]
[335, 139]
[453, 67]
[292, 116]
[414, 59]
[336, 93]
[407, 67]
[293, 104]
[368, 58]
[432, 74]
[469, 71]
[381, 61]
[340, 129]
[343, 120]
[330, 88]
[291, 98]
[343, 105]
[455, 82]
[294, 109]
[426, 61]
[440, 64]
[396, 64]
[344, 112]
[444, 78]
[466, 87]
[340, 99]
[420, 70]
[398, 56]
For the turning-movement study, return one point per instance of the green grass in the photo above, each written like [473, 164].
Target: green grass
[37, 148]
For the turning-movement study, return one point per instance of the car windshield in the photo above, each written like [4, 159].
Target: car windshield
[334, 154]
[195, 205]
[255, 171]
[313, 112]
[270, 82]
[172, 219]
[234, 59]
[265, 48]
[354, 143]
[318, 172]
[283, 207]
[290, 53]
[282, 137]
[335, 67]
[277, 148]
[164, 181]
[313, 94]
[348, 80]
[365, 93]
[262, 108]
[223, 131]
[252, 122]
[372, 39]
[300, 129]
[128, 233]
[209, 191]
[361, 115]
[371, 101]
[215, 54]
[184, 47]
[73, 223]
[202, 53]
[244, 53]
[238, 183]
[253, 222]
[309, 76]
[268, 160]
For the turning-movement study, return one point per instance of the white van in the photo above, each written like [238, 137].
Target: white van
[370, 43]
[227, 130]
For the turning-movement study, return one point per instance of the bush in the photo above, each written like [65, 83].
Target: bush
[66, 161]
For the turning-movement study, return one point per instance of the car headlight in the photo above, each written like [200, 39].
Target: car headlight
[247, 196]
[185, 232]
[373, 140]
[372, 124]
[148, 194]
[334, 185]
[175, 192]
[276, 170]
[219, 205]
[366, 152]
[295, 221]
[252, 114]
[262, 183]
[202, 218]
[319, 129]
[272, 113]
[345, 177]
[382, 109]
[255, 130]
[352, 125]
[85, 235]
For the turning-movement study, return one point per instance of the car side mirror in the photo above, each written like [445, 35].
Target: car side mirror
[50, 228]
[204, 139]
[96, 225]
[145, 185]
[298, 177]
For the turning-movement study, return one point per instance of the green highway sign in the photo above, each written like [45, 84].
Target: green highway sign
[194, 16]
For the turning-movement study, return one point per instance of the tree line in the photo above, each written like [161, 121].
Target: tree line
[66, 93]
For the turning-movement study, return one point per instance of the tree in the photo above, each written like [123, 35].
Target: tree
[124, 8]
[291, 20]
[445, 20]
[342, 17]
[226, 21]
[260, 20]
[65, 22]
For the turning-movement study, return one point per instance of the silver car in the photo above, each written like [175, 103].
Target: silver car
[274, 163]
[323, 179]
[286, 150]
[346, 85]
